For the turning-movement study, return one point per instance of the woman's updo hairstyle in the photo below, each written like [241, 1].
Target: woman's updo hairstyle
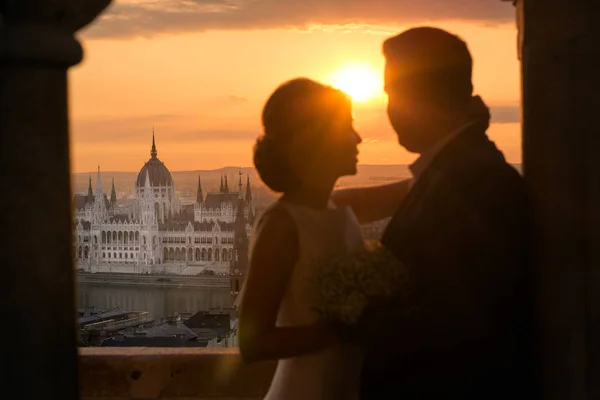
[295, 109]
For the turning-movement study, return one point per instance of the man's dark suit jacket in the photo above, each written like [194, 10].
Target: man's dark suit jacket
[463, 232]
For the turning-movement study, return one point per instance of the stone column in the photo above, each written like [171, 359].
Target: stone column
[39, 342]
[561, 139]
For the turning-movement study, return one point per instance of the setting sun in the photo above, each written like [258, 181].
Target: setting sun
[362, 83]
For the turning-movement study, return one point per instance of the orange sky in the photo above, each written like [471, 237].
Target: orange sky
[204, 91]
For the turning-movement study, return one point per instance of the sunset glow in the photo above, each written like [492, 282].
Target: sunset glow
[201, 78]
[362, 83]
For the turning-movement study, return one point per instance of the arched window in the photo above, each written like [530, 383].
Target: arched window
[210, 254]
[86, 252]
[197, 254]
[120, 237]
[171, 254]
[114, 236]
[103, 255]
[103, 237]
[95, 239]
[216, 254]
[79, 252]
[204, 254]
[190, 255]
[224, 255]
[165, 254]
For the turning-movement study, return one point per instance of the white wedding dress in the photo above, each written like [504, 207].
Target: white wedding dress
[333, 373]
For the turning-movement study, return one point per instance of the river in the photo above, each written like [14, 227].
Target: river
[160, 302]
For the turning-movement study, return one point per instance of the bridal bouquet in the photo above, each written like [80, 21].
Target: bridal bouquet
[346, 283]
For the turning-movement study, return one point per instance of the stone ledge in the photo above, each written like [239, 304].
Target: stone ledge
[170, 373]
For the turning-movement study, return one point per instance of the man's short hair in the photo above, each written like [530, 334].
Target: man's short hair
[430, 63]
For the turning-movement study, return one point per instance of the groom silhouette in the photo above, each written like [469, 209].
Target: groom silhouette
[463, 232]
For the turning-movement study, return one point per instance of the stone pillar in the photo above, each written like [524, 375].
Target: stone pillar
[561, 139]
[39, 342]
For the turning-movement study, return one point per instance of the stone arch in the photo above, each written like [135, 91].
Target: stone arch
[210, 254]
[165, 254]
[190, 254]
[204, 254]
[224, 257]
[217, 253]
[198, 254]
[171, 254]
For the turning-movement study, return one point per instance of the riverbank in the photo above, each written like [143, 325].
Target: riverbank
[216, 281]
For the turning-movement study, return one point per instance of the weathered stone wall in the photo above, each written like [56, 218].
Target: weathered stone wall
[170, 373]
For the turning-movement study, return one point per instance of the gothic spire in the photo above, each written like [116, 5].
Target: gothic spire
[99, 182]
[153, 152]
[90, 193]
[240, 240]
[248, 190]
[221, 188]
[113, 194]
[226, 188]
[199, 195]
[240, 185]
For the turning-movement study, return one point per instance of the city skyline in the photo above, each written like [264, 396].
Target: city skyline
[202, 81]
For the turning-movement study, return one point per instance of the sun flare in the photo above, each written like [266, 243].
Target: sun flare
[362, 83]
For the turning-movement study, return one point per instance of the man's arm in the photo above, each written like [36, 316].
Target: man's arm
[375, 202]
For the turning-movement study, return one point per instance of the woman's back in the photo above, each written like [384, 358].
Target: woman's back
[332, 372]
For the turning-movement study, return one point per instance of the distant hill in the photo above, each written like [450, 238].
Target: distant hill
[186, 182]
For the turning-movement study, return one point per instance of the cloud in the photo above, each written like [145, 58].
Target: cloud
[145, 18]
[237, 99]
[506, 114]
[138, 131]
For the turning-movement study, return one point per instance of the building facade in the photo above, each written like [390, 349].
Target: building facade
[159, 235]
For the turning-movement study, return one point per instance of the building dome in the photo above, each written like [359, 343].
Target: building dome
[157, 171]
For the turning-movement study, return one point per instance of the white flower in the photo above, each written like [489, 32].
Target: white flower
[346, 283]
